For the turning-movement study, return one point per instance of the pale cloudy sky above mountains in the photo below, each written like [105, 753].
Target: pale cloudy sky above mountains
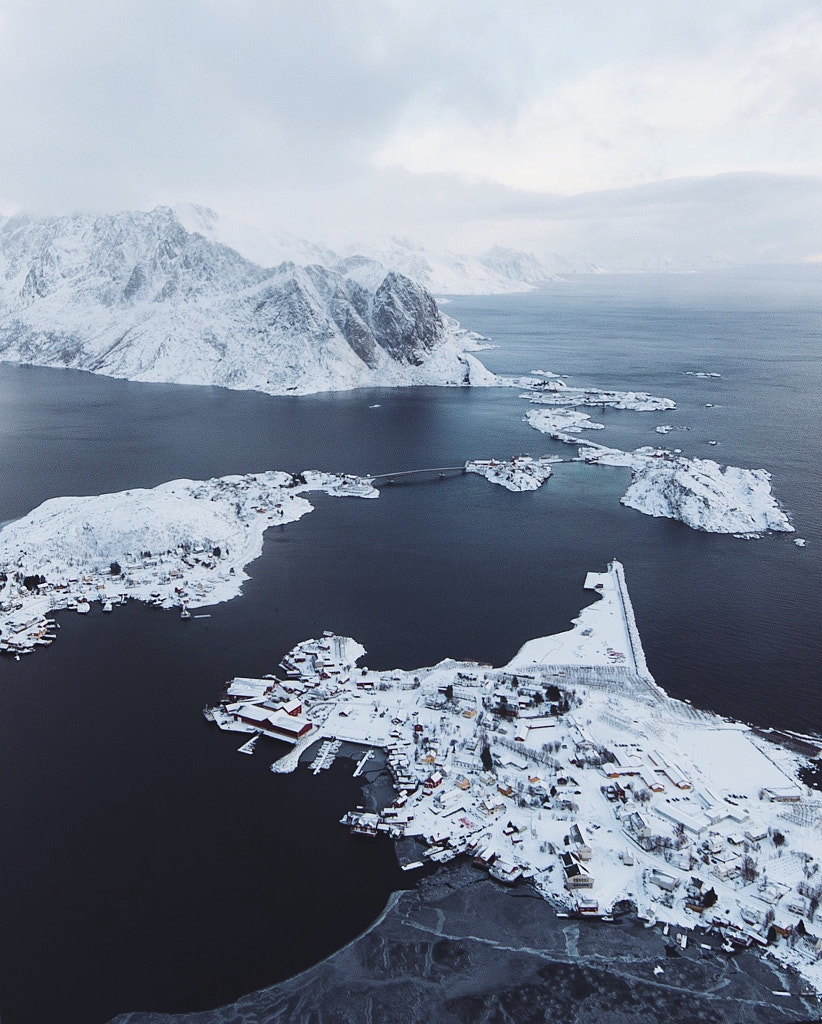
[612, 131]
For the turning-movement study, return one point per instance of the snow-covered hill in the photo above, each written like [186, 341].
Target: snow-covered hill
[705, 496]
[185, 543]
[138, 296]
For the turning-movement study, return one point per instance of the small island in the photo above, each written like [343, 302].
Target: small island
[522, 473]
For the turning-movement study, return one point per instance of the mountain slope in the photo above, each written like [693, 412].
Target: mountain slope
[136, 295]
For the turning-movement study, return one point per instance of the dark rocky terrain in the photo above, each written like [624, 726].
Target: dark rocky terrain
[460, 949]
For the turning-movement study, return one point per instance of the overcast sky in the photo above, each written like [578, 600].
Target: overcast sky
[566, 126]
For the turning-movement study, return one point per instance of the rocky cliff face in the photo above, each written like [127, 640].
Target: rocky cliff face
[136, 295]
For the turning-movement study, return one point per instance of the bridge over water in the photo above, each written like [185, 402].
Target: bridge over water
[412, 474]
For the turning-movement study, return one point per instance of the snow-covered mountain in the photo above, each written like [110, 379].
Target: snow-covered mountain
[496, 272]
[499, 271]
[138, 296]
[441, 272]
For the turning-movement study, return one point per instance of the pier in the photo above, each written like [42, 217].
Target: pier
[365, 759]
[249, 745]
[325, 757]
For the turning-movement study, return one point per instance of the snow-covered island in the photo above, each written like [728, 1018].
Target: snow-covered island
[700, 493]
[186, 543]
[697, 492]
[522, 473]
[555, 391]
[560, 423]
[564, 419]
[182, 544]
[572, 770]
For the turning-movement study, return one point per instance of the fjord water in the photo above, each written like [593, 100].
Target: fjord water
[144, 864]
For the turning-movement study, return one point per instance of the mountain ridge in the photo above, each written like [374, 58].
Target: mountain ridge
[138, 295]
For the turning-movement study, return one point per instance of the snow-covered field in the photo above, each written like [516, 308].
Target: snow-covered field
[570, 768]
[184, 543]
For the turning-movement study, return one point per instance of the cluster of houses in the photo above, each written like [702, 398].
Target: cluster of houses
[147, 545]
[586, 782]
[263, 706]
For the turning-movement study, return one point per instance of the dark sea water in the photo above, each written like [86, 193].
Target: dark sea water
[143, 863]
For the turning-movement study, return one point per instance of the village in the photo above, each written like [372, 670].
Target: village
[569, 770]
[184, 544]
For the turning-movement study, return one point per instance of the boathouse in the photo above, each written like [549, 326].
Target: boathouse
[275, 723]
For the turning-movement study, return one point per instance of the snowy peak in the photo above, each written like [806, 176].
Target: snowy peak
[116, 259]
[140, 296]
[406, 320]
[498, 271]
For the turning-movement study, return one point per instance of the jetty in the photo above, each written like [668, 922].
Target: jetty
[326, 755]
[362, 763]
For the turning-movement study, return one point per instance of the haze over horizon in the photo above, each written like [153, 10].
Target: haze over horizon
[662, 134]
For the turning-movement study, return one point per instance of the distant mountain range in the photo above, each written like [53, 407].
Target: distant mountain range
[498, 271]
[143, 297]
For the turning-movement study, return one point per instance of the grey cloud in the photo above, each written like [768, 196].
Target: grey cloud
[273, 110]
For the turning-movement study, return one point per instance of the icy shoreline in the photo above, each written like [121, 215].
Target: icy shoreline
[184, 544]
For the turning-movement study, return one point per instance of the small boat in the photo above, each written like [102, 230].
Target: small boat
[185, 613]
[83, 607]
[108, 607]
